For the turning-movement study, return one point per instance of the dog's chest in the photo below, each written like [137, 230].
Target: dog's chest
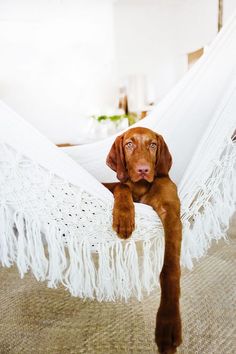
[139, 193]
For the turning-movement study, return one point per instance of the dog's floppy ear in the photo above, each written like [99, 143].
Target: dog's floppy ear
[116, 159]
[164, 159]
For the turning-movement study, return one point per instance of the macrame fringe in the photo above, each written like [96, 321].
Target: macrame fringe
[208, 216]
[116, 271]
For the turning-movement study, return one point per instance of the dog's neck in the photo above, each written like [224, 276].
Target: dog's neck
[139, 189]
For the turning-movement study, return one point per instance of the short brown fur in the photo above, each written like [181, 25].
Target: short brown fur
[142, 162]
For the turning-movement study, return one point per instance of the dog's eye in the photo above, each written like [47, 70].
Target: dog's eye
[129, 145]
[153, 145]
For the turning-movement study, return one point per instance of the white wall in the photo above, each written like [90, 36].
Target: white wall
[60, 59]
[228, 9]
[153, 37]
[56, 62]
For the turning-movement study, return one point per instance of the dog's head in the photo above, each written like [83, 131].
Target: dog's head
[139, 154]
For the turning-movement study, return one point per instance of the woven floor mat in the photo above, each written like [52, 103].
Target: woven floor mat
[35, 319]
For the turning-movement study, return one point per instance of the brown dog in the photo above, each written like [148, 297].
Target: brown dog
[142, 162]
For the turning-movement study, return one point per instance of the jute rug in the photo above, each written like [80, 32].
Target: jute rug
[35, 319]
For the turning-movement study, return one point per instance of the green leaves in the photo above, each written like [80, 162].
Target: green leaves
[132, 118]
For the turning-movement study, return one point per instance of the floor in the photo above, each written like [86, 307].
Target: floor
[35, 319]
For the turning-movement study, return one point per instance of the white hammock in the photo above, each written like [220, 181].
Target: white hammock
[56, 217]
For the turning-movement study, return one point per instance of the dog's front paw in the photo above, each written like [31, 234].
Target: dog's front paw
[123, 222]
[168, 333]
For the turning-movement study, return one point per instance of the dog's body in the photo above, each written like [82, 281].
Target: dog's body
[142, 161]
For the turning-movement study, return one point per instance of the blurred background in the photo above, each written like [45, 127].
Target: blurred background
[80, 70]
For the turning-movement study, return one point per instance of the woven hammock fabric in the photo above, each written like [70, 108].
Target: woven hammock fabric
[56, 217]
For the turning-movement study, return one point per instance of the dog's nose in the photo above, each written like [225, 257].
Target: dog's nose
[143, 169]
